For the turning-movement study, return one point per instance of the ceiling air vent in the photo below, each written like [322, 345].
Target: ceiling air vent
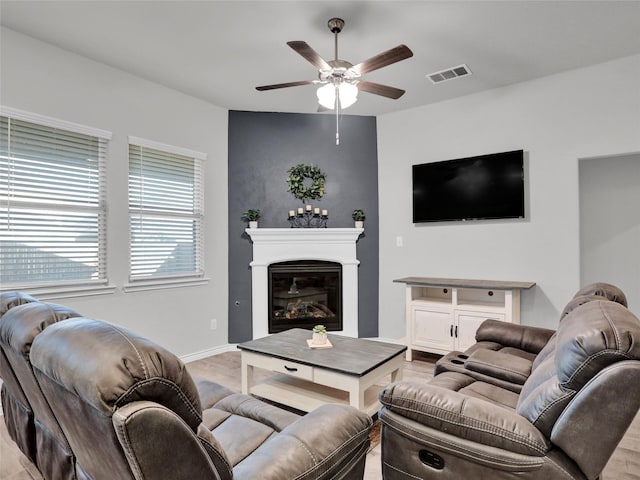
[449, 74]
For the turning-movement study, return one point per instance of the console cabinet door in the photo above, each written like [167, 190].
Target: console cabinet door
[432, 328]
[467, 323]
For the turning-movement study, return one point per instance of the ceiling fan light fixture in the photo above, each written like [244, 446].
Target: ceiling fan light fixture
[327, 96]
[347, 94]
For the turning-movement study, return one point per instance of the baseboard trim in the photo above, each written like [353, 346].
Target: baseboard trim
[192, 357]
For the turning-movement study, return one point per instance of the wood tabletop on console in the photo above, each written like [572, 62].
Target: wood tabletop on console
[353, 356]
[464, 283]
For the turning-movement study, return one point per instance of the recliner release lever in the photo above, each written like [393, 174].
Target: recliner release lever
[431, 459]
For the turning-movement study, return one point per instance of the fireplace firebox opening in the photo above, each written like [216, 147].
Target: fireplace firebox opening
[305, 293]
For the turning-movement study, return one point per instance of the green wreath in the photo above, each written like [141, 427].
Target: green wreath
[297, 185]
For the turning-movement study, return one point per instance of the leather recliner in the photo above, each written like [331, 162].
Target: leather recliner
[130, 409]
[504, 352]
[571, 413]
[27, 416]
[17, 412]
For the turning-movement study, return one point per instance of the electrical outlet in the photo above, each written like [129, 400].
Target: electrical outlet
[214, 324]
[399, 241]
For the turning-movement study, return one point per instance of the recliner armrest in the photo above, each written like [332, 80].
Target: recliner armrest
[499, 365]
[465, 417]
[137, 424]
[529, 339]
[331, 439]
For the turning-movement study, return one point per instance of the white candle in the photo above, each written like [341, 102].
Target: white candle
[316, 211]
[308, 208]
[300, 210]
[325, 213]
[291, 213]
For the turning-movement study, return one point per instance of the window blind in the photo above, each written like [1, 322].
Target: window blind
[52, 205]
[165, 212]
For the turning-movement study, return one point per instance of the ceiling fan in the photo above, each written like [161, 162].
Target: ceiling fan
[341, 80]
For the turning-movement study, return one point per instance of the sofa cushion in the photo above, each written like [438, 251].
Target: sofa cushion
[514, 368]
[459, 415]
[458, 382]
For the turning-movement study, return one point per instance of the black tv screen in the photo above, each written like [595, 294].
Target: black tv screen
[482, 187]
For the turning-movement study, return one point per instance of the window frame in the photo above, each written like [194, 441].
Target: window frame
[197, 277]
[72, 288]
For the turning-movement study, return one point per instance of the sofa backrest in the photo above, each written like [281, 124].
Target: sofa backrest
[606, 290]
[588, 344]
[11, 299]
[100, 377]
[588, 293]
[27, 413]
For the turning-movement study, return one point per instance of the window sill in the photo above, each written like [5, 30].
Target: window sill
[71, 291]
[143, 285]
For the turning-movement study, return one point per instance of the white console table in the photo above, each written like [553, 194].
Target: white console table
[443, 314]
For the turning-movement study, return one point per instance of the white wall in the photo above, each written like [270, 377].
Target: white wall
[582, 113]
[42, 79]
[610, 223]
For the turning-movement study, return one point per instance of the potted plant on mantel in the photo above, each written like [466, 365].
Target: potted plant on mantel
[252, 215]
[358, 218]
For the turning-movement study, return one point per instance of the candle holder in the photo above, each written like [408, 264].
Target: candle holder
[308, 219]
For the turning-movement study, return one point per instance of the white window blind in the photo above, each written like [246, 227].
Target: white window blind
[52, 203]
[165, 211]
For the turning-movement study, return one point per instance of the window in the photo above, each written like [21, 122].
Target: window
[52, 202]
[165, 212]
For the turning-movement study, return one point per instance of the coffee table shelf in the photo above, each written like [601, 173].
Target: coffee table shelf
[305, 379]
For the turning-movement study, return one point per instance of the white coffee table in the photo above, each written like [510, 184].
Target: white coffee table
[305, 378]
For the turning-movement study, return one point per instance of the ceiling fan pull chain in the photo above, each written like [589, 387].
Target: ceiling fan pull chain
[337, 117]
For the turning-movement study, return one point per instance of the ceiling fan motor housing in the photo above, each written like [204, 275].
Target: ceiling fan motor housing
[335, 25]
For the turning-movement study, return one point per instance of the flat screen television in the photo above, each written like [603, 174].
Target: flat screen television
[483, 187]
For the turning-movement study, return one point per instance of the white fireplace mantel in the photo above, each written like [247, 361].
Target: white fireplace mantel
[274, 245]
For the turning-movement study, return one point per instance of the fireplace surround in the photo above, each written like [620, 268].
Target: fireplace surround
[276, 245]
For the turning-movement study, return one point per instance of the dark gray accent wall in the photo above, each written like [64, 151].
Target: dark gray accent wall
[262, 147]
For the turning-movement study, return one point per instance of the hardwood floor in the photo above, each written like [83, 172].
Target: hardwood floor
[225, 369]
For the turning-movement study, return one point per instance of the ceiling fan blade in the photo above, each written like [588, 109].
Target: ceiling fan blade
[383, 59]
[310, 55]
[285, 85]
[379, 89]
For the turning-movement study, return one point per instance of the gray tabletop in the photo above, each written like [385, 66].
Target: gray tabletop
[352, 356]
[464, 283]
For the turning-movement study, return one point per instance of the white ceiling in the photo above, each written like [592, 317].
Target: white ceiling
[220, 51]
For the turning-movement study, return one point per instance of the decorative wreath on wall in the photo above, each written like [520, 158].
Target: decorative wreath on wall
[296, 182]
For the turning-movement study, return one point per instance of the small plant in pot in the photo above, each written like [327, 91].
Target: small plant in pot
[319, 335]
[358, 217]
[252, 215]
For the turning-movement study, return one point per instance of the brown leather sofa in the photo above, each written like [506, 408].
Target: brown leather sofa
[581, 396]
[27, 415]
[504, 352]
[127, 408]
